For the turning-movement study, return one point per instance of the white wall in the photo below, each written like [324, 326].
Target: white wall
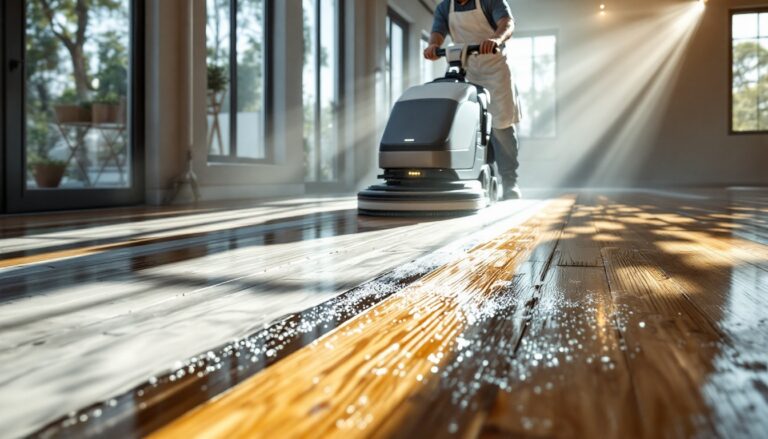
[164, 55]
[679, 136]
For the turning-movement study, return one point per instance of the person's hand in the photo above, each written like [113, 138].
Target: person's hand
[489, 46]
[430, 52]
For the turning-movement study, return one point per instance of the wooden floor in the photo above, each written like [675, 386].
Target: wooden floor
[626, 314]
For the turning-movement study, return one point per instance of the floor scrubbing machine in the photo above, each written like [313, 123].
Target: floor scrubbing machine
[435, 151]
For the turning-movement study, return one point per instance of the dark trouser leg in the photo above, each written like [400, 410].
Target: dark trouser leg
[505, 153]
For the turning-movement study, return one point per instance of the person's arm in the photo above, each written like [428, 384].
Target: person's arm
[505, 25]
[436, 41]
[505, 30]
[439, 31]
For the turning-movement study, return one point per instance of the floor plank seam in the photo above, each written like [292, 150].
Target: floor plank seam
[615, 318]
[544, 272]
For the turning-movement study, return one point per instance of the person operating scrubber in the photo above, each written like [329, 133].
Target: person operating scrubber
[490, 24]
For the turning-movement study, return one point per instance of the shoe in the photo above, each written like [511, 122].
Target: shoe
[513, 193]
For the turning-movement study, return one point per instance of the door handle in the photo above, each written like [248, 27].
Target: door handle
[14, 64]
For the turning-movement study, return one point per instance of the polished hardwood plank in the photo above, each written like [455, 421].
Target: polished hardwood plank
[691, 284]
[690, 316]
[613, 314]
[83, 329]
[715, 224]
[633, 333]
[671, 345]
[95, 236]
[578, 248]
[577, 382]
[713, 279]
[363, 373]
[462, 399]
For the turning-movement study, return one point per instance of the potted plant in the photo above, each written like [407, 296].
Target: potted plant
[108, 108]
[47, 172]
[69, 111]
[218, 79]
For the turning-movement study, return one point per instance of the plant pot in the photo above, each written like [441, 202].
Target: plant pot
[48, 176]
[72, 114]
[106, 113]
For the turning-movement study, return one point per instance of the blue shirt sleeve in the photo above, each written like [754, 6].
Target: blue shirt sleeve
[499, 9]
[440, 25]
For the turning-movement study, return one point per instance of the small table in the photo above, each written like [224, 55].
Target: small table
[116, 144]
[113, 137]
[215, 104]
[76, 145]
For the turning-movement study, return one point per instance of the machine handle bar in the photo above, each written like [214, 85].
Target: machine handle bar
[471, 50]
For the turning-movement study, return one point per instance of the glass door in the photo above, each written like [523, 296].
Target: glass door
[72, 130]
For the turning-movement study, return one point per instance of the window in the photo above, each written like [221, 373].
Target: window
[237, 73]
[533, 61]
[396, 56]
[321, 89]
[77, 95]
[749, 63]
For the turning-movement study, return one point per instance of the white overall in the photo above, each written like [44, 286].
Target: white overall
[490, 71]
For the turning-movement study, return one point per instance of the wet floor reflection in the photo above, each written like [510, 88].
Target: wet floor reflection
[34, 244]
[632, 316]
[197, 379]
[584, 353]
[353, 379]
[597, 352]
[157, 252]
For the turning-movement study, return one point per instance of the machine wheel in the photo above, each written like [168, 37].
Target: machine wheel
[486, 183]
[494, 193]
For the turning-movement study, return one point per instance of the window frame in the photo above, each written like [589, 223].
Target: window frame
[556, 110]
[14, 194]
[731, 13]
[340, 115]
[3, 136]
[396, 19]
[269, 153]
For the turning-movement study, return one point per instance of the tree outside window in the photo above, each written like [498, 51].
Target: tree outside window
[749, 85]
